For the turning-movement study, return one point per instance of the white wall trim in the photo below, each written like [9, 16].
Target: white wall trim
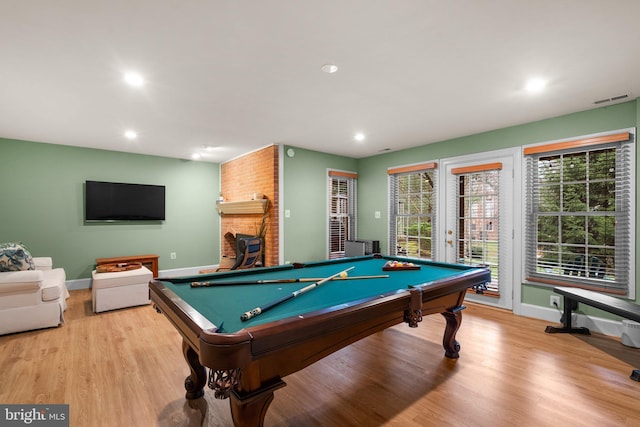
[186, 271]
[74, 285]
[280, 202]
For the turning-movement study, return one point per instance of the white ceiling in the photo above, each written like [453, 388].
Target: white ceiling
[241, 75]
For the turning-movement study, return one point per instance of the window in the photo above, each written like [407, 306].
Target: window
[342, 211]
[580, 202]
[412, 195]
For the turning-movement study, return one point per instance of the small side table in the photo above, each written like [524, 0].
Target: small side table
[150, 261]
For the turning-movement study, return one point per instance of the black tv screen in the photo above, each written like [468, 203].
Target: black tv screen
[114, 201]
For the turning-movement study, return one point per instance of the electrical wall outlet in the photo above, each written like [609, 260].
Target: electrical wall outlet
[173, 255]
[554, 301]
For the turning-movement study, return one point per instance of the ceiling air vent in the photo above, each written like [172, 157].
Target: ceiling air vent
[613, 98]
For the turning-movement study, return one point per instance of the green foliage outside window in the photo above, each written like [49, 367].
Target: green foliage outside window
[414, 210]
[576, 220]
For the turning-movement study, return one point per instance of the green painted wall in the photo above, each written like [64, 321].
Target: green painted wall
[306, 174]
[304, 179]
[372, 181]
[43, 206]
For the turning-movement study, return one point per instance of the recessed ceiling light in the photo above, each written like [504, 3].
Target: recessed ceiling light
[131, 135]
[195, 156]
[535, 85]
[359, 136]
[329, 68]
[133, 79]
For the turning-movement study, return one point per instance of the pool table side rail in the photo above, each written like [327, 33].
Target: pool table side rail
[282, 332]
[288, 347]
[294, 329]
[191, 325]
[471, 278]
[283, 347]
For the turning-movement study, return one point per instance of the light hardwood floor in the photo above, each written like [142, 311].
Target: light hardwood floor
[125, 368]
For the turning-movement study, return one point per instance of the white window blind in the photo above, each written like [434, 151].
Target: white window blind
[412, 198]
[580, 199]
[342, 210]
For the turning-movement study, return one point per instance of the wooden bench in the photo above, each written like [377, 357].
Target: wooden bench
[571, 298]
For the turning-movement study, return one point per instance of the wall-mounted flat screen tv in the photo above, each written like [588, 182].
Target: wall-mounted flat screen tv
[115, 201]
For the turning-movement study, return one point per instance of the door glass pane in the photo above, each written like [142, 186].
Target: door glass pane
[479, 222]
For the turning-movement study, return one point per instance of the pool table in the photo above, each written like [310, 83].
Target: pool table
[248, 359]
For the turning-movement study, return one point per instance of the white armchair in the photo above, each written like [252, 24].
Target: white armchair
[32, 299]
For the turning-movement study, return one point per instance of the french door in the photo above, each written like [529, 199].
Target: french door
[478, 220]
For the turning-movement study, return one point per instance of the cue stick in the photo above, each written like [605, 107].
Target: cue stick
[273, 281]
[259, 310]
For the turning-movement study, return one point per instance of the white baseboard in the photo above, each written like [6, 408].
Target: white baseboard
[76, 284]
[73, 285]
[595, 324]
[186, 271]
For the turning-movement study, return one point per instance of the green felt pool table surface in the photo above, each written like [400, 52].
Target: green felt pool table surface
[224, 305]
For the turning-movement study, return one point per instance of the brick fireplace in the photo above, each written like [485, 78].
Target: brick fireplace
[241, 179]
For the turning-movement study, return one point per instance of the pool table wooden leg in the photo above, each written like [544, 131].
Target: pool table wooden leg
[454, 319]
[249, 410]
[194, 383]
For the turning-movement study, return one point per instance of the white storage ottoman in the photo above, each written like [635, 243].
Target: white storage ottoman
[120, 289]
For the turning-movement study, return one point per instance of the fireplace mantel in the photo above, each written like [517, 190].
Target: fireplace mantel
[242, 207]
